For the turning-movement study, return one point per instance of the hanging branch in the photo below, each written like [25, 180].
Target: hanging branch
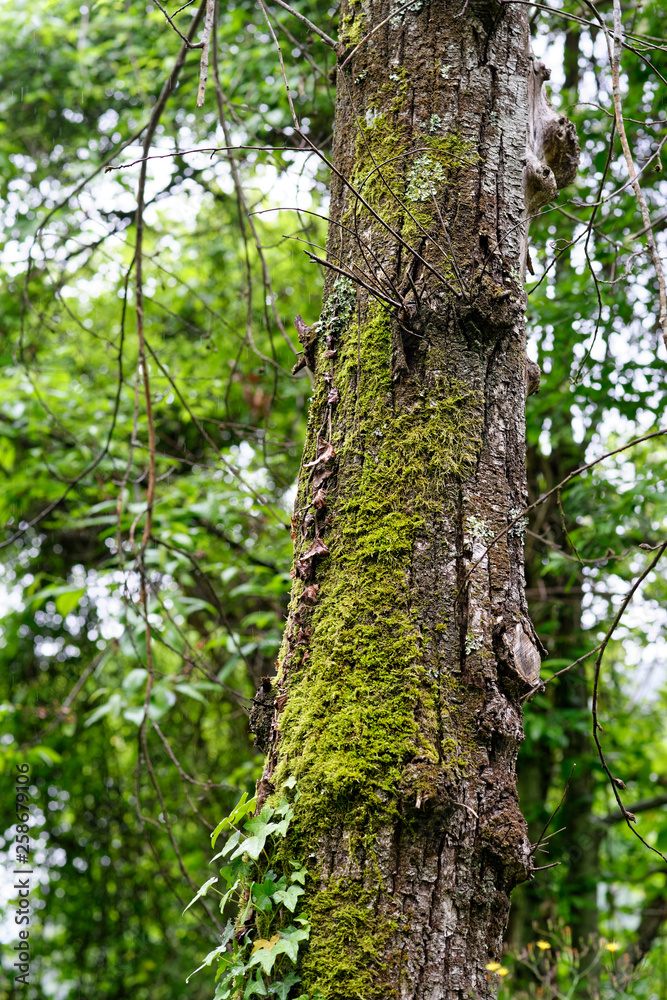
[545, 496]
[189, 44]
[616, 783]
[614, 51]
[639, 194]
[542, 837]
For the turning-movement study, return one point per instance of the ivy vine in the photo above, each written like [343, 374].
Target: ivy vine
[258, 953]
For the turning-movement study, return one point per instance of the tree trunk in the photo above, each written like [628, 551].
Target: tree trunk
[408, 647]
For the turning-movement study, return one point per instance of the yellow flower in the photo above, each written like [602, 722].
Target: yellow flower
[492, 966]
[543, 945]
[613, 946]
[502, 971]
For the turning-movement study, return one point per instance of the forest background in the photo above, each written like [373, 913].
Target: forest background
[124, 802]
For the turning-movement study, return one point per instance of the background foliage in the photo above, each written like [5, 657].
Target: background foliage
[135, 757]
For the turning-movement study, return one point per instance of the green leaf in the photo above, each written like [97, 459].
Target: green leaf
[290, 897]
[201, 892]
[191, 691]
[255, 986]
[299, 874]
[282, 988]
[253, 846]
[241, 809]
[68, 601]
[266, 957]
[232, 842]
[113, 706]
[227, 935]
[135, 680]
[7, 455]
[290, 940]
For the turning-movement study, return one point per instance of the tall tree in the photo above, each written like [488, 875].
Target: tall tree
[408, 647]
[165, 750]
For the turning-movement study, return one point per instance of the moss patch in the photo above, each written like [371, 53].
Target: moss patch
[385, 155]
[363, 704]
[392, 167]
[347, 940]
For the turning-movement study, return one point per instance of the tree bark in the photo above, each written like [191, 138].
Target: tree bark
[408, 647]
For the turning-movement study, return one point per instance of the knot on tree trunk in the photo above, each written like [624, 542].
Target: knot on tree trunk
[552, 147]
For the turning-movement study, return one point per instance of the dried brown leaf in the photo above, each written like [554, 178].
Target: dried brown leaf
[302, 568]
[325, 454]
[317, 548]
[320, 477]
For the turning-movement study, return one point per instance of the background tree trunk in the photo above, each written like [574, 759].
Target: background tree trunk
[408, 646]
[555, 601]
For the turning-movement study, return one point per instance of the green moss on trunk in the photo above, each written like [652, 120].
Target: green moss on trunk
[363, 704]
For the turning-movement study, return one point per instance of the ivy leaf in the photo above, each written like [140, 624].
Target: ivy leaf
[263, 943]
[253, 846]
[290, 897]
[282, 988]
[263, 892]
[299, 874]
[202, 892]
[265, 953]
[232, 842]
[257, 823]
[282, 826]
[229, 931]
[289, 942]
[261, 829]
[255, 986]
[236, 815]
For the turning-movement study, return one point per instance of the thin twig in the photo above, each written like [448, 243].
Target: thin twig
[627, 814]
[66, 705]
[545, 496]
[313, 27]
[639, 194]
[189, 44]
[548, 823]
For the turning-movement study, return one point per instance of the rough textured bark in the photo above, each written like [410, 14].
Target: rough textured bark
[408, 646]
